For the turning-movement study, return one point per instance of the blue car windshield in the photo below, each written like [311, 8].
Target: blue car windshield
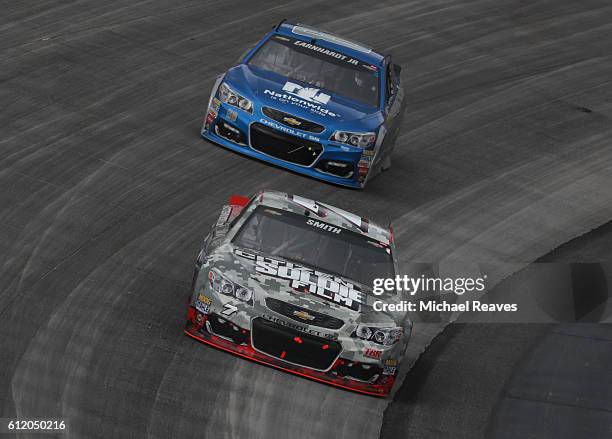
[320, 67]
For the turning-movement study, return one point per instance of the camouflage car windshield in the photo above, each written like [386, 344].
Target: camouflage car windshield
[319, 67]
[315, 244]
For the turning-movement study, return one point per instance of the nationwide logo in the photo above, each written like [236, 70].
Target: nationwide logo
[304, 97]
[308, 93]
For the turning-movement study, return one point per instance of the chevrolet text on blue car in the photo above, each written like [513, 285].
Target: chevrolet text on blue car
[312, 102]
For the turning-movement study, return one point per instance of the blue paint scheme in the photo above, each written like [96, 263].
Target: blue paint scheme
[259, 86]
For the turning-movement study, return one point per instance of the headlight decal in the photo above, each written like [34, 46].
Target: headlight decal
[359, 140]
[222, 285]
[382, 336]
[229, 96]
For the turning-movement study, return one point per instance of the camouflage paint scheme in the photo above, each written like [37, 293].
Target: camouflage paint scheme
[219, 254]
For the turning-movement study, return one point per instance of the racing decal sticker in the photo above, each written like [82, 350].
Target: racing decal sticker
[363, 167]
[367, 153]
[372, 353]
[213, 111]
[229, 309]
[292, 121]
[325, 51]
[287, 130]
[332, 288]
[203, 303]
[210, 117]
[310, 94]
[324, 226]
[232, 115]
[298, 327]
[389, 370]
[315, 106]
[322, 52]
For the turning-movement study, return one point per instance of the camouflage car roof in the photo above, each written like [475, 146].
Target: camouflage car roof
[327, 213]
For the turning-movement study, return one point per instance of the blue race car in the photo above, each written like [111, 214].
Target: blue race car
[312, 102]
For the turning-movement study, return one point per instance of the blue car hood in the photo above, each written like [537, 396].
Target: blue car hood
[321, 106]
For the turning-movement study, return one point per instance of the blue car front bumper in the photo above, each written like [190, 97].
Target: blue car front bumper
[257, 136]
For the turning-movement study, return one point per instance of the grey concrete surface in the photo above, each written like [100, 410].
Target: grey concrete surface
[107, 189]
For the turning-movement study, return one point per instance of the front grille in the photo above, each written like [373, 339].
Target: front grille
[314, 319]
[336, 167]
[293, 121]
[294, 346]
[359, 371]
[226, 329]
[283, 146]
[230, 132]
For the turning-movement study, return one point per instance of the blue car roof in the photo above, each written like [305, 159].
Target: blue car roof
[331, 41]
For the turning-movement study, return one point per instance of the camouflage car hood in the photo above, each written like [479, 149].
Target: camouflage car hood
[245, 267]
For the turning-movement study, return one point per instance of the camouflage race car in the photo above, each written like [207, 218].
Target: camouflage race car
[287, 281]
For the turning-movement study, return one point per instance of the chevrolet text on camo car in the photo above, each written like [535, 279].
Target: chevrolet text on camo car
[311, 102]
[287, 281]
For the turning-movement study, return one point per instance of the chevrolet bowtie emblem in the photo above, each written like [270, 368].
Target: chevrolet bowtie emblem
[303, 315]
[292, 121]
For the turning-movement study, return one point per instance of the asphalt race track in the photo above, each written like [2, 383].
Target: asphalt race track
[107, 190]
[515, 380]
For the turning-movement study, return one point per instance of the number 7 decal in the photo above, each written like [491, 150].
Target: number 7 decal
[229, 309]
